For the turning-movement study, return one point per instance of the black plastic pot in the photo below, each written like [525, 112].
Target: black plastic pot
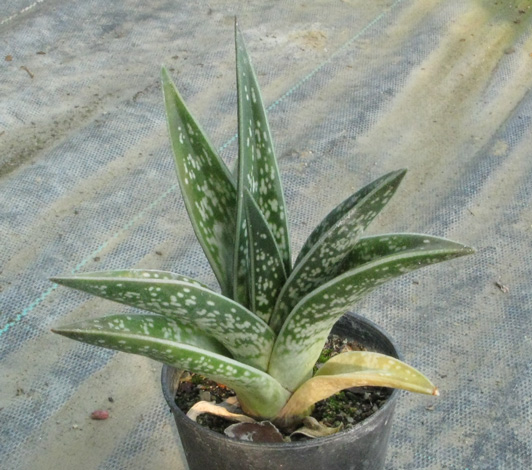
[361, 448]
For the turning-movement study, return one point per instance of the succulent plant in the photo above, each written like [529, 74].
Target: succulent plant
[261, 336]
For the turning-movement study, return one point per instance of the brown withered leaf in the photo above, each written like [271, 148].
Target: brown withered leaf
[254, 432]
[313, 428]
[228, 410]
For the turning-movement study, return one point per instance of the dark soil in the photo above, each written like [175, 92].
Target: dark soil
[193, 389]
[346, 408]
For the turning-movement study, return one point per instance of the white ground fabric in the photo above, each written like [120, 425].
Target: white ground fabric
[355, 89]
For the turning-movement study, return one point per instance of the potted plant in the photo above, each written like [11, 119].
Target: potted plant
[262, 335]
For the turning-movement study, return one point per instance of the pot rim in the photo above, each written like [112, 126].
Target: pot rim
[168, 371]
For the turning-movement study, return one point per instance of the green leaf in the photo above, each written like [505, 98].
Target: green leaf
[376, 247]
[165, 340]
[137, 274]
[301, 339]
[336, 237]
[248, 338]
[257, 165]
[266, 270]
[207, 186]
[355, 369]
[241, 283]
[161, 327]
[337, 214]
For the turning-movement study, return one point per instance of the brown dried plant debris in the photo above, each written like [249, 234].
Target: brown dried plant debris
[346, 408]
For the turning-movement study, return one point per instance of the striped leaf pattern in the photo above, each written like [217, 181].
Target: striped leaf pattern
[207, 186]
[323, 259]
[246, 336]
[304, 333]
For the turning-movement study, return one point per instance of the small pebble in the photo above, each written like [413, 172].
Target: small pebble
[100, 414]
[205, 395]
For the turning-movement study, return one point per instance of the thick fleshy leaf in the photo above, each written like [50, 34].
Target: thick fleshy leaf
[266, 271]
[248, 338]
[241, 286]
[207, 186]
[322, 260]
[257, 166]
[301, 339]
[337, 214]
[155, 274]
[380, 246]
[161, 327]
[160, 338]
[355, 369]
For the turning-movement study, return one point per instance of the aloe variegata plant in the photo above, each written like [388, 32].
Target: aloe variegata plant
[262, 335]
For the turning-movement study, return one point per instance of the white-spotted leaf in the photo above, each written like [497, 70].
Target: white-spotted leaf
[248, 338]
[207, 186]
[380, 246]
[159, 326]
[257, 166]
[166, 341]
[355, 369]
[240, 220]
[323, 259]
[305, 331]
[336, 215]
[155, 274]
[266, 271]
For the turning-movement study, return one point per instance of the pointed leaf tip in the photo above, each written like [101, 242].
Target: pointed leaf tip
[187, 301]
[356, 369]
[321, 257]
[373, 261]
[183, 347]
[258, 170]
[166, 78]
[207, 186]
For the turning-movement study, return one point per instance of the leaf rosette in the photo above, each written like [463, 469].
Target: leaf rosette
[262, 335]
